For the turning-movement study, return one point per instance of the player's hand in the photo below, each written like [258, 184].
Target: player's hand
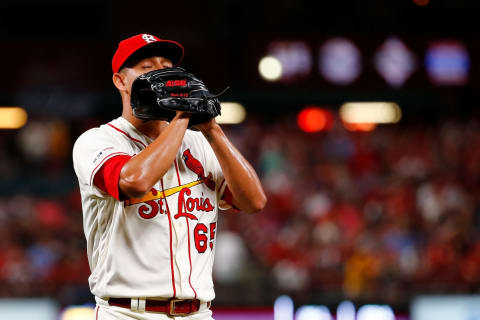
[182, 115]
[206, 126]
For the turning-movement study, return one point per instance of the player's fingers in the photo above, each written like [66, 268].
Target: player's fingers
[182, 114]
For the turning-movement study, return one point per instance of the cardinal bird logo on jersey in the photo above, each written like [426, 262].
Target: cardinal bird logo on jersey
[196, 166]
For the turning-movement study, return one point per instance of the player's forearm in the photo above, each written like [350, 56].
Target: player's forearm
[240, 177]
[143, 170]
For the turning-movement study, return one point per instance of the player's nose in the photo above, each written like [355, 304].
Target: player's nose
[162, 63]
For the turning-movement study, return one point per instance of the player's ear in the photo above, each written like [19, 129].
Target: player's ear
[119, 80]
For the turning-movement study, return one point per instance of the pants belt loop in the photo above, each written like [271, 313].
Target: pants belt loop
[141, 304]
[134, 304]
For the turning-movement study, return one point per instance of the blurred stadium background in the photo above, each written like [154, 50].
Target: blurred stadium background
[374, 209]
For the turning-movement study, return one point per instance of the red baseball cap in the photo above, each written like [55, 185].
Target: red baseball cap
[145, 45]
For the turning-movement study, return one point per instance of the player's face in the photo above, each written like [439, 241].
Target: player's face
[144, 66]
[150, 64]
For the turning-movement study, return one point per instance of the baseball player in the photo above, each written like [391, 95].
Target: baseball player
[151, 191]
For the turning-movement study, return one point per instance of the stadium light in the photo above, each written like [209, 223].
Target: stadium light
[232, 113]
[370, 112]
[340, 61]
[12, 117]
[312, 312]
[270, 68]
[295, 57]
[346, 311]
[360, 127]
[314, 119]
[375, 312]
[395, 62]
[448, 63]
[283, 308]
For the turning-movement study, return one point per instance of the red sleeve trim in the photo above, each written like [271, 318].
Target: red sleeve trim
[101, 164]
[228, 197]
[107, 177]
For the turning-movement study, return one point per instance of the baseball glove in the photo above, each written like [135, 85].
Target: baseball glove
[158, 94]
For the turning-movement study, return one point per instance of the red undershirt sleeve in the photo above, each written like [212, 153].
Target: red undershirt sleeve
[107, 177]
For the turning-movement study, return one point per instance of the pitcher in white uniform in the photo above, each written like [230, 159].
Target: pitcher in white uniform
[151, 192]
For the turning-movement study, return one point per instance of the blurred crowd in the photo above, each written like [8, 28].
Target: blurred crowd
[42, 250]
[378, 216]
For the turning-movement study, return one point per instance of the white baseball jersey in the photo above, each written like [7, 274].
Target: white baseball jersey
[163, 244]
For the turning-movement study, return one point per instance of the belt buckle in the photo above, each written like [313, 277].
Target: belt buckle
[172, 312]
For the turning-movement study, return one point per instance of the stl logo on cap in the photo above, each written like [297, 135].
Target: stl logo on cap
[148, 38]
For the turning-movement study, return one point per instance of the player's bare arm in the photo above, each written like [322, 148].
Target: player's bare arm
[243, 182]
[142, 171]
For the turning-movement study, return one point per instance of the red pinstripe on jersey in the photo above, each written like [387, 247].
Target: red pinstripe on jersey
[188, 232]
[221, 185]
[171, 250]
[130, 137]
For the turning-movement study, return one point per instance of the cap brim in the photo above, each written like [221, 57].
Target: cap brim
[163, 48]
